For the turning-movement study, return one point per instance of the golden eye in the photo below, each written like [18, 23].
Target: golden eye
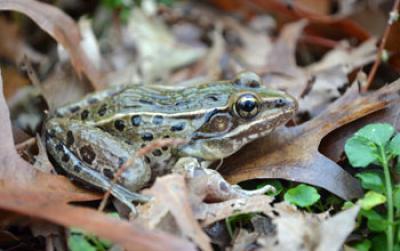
[247, 106]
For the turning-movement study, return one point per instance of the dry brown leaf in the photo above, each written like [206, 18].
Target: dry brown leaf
[171, 195]
[292, 153]
[48, 206]
[63, 29]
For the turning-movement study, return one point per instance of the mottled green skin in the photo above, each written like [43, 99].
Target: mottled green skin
[106, 125]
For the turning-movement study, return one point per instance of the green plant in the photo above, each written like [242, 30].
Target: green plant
[302, 195]
[377, 144]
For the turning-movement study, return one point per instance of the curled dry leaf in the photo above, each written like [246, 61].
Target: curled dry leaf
[63, 29]
[292, 153]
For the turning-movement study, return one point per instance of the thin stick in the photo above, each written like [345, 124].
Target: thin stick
[393, 17]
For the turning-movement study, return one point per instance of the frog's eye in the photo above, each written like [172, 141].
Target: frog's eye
[247, 106]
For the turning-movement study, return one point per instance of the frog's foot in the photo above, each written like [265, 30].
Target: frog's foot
[81, 171]
[210, 185]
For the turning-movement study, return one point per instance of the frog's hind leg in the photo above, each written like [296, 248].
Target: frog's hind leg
[73, 166]
[94, 156]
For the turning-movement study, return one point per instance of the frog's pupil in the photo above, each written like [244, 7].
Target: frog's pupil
[247, 103]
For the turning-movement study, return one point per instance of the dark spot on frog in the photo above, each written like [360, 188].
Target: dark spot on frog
[87, 154]
[157, 120]
[70, 139]
[147, 159]
[92, 101]
[77, 168]
[74, 109]
[108, 173]
[103, 109]
[212, 98]
[182, 102]
[65, 157]
[164, 148]
[136, 120]
[147, 136]
[178, 127]
[59, 148]
[144, 101]
[223, 186]
[166, 137]
[119, 125]
[157, 153]
[84, 114]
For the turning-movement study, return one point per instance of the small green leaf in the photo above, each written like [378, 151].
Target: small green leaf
[394, 145]
[378, 133]
[364, 245]
[372, 199]
[347, 205]
[302, 195]
[372, 181]
[375, 221]
[78, 242]
[360, 151]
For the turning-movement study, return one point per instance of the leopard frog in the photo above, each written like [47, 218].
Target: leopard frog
[91, 139]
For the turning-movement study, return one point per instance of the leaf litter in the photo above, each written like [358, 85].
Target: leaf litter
[177, 216]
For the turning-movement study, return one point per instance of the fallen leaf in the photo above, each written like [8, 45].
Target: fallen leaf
[292, 153]
[63, 29]
[47, 206]
[335, 230]
[171, 194]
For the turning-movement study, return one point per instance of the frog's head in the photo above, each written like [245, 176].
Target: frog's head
[251, 111]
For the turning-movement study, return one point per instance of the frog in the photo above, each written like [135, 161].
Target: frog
[93, 139]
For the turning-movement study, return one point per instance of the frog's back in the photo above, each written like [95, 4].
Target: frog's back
[142, 113]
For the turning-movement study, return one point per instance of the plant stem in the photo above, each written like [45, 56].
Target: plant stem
[389, 195]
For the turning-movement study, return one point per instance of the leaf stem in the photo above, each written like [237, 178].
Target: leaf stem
[389, 195]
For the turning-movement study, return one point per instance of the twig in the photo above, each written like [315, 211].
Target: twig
[143, 151]
[393, 17]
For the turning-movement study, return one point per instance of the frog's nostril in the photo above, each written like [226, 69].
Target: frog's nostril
[281, 102]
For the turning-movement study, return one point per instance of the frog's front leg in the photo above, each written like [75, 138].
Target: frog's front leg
[94, 156]
[210, 184]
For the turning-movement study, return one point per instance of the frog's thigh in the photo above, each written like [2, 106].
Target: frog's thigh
[94, 156]
[212, 184]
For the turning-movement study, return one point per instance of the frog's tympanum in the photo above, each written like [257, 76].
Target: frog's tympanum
[93, 138]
